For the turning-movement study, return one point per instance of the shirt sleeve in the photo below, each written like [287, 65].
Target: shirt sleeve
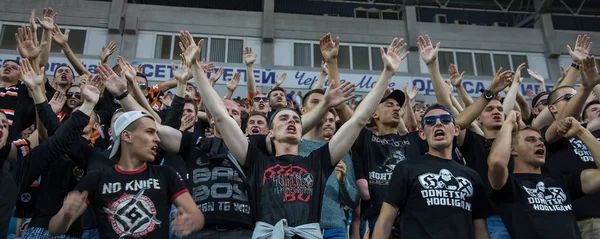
[505, 194]
[89, 183]
[175, 183]
[400, 183]
[173, 118]
[557, 145]
[482, 207]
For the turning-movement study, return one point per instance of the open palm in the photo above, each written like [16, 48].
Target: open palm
[28, 75]
[249, 57]
[428, 52]
[582, 48]
[47, 21]
[334, 96]
[391, 59]
[329, 48]
[26, 44]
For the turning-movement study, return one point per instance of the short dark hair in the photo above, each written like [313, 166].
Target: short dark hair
[188, 100]
[315, 91]
[515, 135]
[275, 89]
[588, 105]
[277, 112]
[254, 113]
[72, 72]
[553, 95]
[139, 74]
[16, 62]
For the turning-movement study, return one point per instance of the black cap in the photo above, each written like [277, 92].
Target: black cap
[397, 95]
[537, 97]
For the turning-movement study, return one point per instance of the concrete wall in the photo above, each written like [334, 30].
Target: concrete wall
[123, 23]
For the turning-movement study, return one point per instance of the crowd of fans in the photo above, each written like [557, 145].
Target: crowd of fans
[107, 155]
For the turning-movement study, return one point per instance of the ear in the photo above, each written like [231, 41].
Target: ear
[552, 109]
[303, 110]
[536, 111]
[422, 134]
[456, 130]
[271, 135]
[126, 136]
[513, 152]
[479, 120]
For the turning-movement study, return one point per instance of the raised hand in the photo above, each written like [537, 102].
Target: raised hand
[140, 68]
[189, 48]
[455, 78]
[324, 68]
[569, 127]
[335, 96]
[184, 72]
[82, 79]
[127, 70]
[74, 203]
[90, 92]
[29, 76]
[214, 77]
[536, 76]
[340, 171]
[27, 46]
[449, 87]
[48, 19]
[517, 75]
[280, 79]
[183, 224]
[187, 121]
[582, 48]
[233, 83]
[58, 37]
[513, 118]
[392, 59]
[589, 73]
[249, 57]
[207, 67]
[115, 84]
[58, 101]
[107, 51]
[501, 80]
[329, 49]
[33, 26]
[530, 94]
[428, 52]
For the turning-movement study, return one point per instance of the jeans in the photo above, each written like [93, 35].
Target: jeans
[371, 222]
[90, 234]
[334, 233]
[172, 216]
[496, 228]
[42, 233]
[590, 228]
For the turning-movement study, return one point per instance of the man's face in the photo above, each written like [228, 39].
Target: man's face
[287, 127]
[388, 112]
[11, 72]
[492, 116]
[257, 124]
[419, 114]
[560, 98]
[329, 127]
[73, 96]
[592, 112]
[439, 135]
[143, 83]
[529, 148]
[191, 91]
[234, 111]
[64, 76]
[3, 130]
[189, 109]
[313, 100]
[261, 104]
[541, 104]
[143, 140]
[277, 100]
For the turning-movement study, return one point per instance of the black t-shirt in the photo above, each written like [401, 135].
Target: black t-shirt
[133, 204]
[539, 205]
[19, 109]
[289, 186]
[571, 157]
[376, 158]
[438, 198]
[216, 185]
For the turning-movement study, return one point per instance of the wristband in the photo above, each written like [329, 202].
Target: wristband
[576, 66]
[122, 96]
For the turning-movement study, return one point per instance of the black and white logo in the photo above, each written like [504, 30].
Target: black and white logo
[132, 215]
[544, 198]
[25, 197]
[444, 189]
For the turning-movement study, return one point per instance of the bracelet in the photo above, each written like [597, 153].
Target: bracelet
[576, 66]
[122, 96]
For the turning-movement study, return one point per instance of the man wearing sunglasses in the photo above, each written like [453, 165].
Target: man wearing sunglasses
[538, 104]
[570, 155]
[260, 103]
[431, 186]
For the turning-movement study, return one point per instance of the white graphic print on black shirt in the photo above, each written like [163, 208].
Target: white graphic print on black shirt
[133, 204]
[581, 150]
[445, 189]
[547, 199]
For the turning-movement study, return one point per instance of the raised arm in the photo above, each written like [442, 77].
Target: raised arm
[583, 44]
[249, 59]
[62, 40]
[540, 80]
[409, 118]
[456, 80]
[107, 51]
[129, 72]
[589, 79]
[511, 97]
[234, 137]
[334, 96]
[343, 140]
[329, 51]
[500, 153]
[590, 178]
[232, 85]
[47, 22]
[321, 80]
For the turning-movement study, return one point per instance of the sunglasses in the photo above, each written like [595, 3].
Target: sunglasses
[432, 120]
[71, 94]
[541, 102]
[143, 86]
[566, 97]
[258, 99]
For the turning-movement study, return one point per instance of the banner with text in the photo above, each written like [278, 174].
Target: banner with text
[295, 79]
